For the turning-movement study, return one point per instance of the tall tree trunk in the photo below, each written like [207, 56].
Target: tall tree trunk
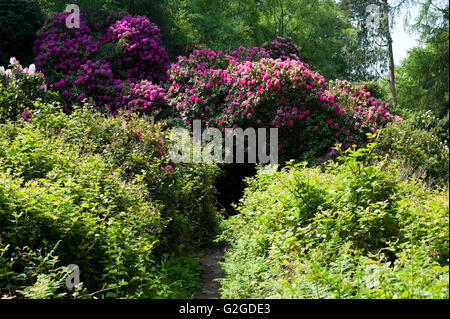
[387, 32]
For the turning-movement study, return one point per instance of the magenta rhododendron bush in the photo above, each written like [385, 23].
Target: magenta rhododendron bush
[247, 89]
[141, 55]
[100, 61]
[146, 96]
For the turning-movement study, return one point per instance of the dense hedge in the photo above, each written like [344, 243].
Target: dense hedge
[355, 230]
[103, 192]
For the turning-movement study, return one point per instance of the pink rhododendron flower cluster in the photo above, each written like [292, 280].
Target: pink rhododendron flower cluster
[145, 96]
[367, 111]
[226, 91]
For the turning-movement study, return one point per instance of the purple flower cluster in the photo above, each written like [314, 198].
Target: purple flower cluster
[61, 51]
[244, 54]
[97, 79]
[141, 53]
[145, 96]
[26, 115]
[284, 48]
[80, 64]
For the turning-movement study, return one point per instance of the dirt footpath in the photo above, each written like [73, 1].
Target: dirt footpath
[209, 287]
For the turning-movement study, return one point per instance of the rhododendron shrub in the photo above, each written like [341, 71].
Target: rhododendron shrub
[197, 84]
[141, 55]
[368, 112]
[146, 97]
[312, 118]
[100, 62]
[61, 51]
[284, 48]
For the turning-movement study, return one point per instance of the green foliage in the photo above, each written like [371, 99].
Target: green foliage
[420, 88]
[372, 54]
[110, 237]
[19, 90]
[423, 77]
[226, 25]
[101, 189]
[352, 230]
[419, 149]
[378, 90]
[138, 146]
[39, 268]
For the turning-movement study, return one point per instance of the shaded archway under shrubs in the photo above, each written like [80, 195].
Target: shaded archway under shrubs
[230, 184]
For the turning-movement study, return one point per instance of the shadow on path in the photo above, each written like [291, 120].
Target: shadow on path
[209, 287]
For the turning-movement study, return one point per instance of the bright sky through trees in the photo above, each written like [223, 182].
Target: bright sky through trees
[402, 39]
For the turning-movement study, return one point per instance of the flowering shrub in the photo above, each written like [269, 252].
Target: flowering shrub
[244, 54]
[312, 115]
[60, 50]
[141, 55]
[284, 48]
[100, 62]
[145, 97]
[197, 86]
[367, 111]
[103, 190]
[19, 89]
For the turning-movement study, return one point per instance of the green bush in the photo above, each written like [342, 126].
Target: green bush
[378, 90]
[139, 146]
[20, 88]
[353, 230]
[426, 120]
[420, 150]
[106, 226]
[103, 192]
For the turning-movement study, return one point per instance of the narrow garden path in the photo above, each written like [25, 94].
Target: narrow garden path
[209, 287]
